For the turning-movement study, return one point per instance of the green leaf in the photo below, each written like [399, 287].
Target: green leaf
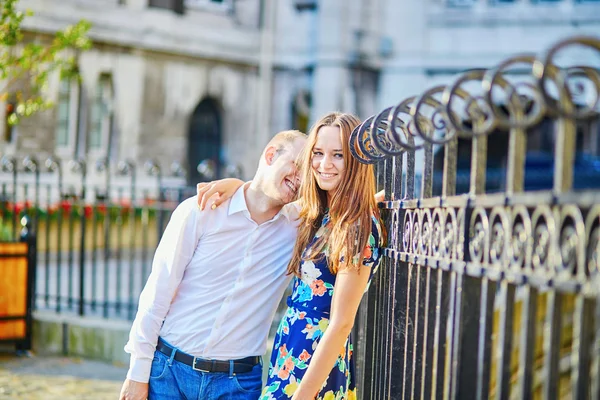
[29, 65]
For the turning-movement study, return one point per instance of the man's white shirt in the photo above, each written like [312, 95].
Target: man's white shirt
[217, 278]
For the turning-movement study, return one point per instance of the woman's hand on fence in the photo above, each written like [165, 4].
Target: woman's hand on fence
[219, 191]
[133, 390]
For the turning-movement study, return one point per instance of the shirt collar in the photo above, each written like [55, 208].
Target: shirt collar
[238, 204]
[238, 201]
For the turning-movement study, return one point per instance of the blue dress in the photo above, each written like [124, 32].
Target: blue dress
[305, 322]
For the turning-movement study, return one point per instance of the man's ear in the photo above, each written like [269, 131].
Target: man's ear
[270, 154]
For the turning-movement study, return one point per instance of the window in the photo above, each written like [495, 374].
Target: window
[63, 110]
[173, 5]
[101, 118]
[67, 116]
[9, 127]
[301, 110]
[205, 140]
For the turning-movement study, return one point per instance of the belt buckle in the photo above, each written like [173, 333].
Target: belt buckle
[198, 369]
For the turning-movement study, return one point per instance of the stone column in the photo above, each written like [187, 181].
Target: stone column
[330, 76]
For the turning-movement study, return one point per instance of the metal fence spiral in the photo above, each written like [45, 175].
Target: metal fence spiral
[488, 293]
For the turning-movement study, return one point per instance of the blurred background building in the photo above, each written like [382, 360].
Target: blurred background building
[182, 81]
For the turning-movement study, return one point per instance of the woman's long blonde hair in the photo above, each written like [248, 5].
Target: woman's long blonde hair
[351, 209]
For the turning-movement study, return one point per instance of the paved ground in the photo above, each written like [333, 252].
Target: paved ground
[63, 378]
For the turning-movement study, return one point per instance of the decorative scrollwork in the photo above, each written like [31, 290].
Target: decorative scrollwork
[458, 235]
[407, 232]
[399, 131]
[428, 118]
[568, 247]
[395, 233]
[437, 233]
[482, 120]
[449, 241]
[571, 248]
[543, 231]
[416, 233]
[497, 242]
[478, 233]
[8, 164]
[546, 73]
[592, 233]
[31, 164]
[520, 241]
[441, 113]
[524, 102]
[360, 141]
[499, 236]
[379, 134]
[541, 245]
[426, 232]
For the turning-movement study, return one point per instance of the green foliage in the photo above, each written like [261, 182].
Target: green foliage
[25, 66]
[5, 233]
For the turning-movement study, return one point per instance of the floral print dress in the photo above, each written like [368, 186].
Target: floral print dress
[305, 322]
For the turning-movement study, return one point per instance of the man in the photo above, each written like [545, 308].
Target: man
[217, 277]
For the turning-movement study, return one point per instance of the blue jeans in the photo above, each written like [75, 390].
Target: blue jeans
[170, 380]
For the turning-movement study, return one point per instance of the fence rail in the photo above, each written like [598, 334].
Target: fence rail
[488, 295]
[94, 241]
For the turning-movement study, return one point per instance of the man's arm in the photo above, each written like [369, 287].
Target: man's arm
[173, 254]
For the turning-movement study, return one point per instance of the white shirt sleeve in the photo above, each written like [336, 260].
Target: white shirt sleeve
[172, 256]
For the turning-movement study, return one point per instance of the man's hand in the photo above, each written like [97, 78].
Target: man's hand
[133, 390]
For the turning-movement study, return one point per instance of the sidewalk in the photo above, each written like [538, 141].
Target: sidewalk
[64, 378]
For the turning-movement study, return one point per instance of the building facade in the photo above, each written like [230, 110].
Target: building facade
[180, 82]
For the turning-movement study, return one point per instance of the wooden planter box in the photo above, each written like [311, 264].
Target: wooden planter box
[16, 293]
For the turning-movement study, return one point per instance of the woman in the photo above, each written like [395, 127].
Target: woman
[334, 258]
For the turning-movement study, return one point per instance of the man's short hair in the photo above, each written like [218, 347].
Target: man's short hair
[284, 138]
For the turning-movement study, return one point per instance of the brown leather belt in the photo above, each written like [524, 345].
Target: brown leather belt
[203, 365]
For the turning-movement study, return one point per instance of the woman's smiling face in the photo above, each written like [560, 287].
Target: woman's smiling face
[328, 164]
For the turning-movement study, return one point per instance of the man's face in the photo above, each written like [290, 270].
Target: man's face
[284, 176]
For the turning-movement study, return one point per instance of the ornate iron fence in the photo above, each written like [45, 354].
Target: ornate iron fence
[490, 293]
[95, 234]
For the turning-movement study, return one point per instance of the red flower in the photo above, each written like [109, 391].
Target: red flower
[101, 208]
[304, 356]
[66, 206]
[289, 364]
[318, 287]
[283, 351]
[283, 374]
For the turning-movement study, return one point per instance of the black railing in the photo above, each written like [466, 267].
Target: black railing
[94, 242]
[488, 295]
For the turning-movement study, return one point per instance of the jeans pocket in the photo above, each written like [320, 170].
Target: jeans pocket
[159, 365]
[249, 382]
